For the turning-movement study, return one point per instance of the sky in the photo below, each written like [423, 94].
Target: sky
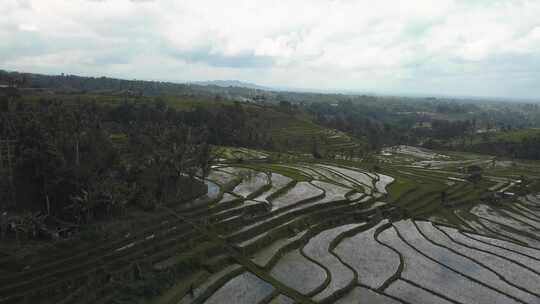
[434, 47]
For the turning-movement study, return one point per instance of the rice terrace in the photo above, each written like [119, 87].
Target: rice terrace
[303, 231]
[269, 152]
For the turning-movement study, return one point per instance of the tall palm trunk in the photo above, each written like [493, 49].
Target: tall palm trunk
[77, 154]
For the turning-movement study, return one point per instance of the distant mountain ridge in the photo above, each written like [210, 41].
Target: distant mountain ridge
[232, 83]
[74, 83]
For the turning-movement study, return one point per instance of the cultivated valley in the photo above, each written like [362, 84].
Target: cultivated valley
[269, 152]
[154, 203]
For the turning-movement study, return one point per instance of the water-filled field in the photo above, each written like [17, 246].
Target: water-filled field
[308, 232]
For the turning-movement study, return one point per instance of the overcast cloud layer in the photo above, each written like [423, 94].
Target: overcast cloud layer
[443, 47]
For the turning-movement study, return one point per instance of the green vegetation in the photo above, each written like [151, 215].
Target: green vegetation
[162, 193]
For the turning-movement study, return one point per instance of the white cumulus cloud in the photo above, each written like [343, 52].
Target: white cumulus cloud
[457, 47]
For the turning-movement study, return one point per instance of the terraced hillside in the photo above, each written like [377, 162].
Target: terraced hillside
[313, 232]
